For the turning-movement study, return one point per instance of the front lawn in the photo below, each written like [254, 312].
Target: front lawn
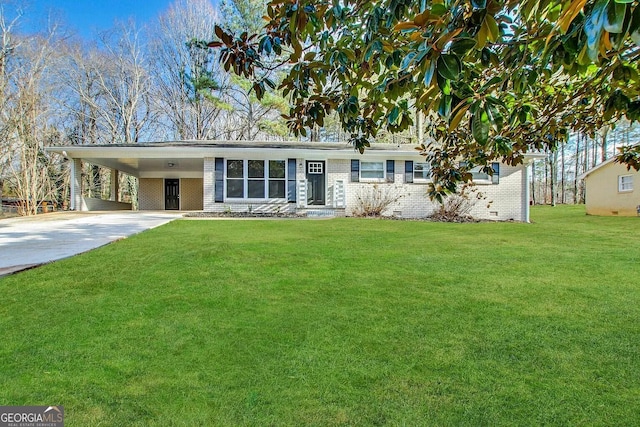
[335, 322]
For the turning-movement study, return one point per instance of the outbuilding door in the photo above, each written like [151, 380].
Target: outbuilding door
[316, 188]
[172, 194]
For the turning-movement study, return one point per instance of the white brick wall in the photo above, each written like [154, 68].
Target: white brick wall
[501, 202]
[209, 179]
[413, 201]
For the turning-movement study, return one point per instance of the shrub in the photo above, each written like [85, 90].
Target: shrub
[457, 207]
[373, 200]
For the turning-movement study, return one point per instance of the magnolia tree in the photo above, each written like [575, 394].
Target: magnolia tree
[493, 79]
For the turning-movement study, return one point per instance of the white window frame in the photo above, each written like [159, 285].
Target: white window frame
[315, 168]
[384, 171]
[246, 179]
[419, 179]
[625, 187]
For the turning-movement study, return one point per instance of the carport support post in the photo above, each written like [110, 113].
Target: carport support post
[115, 185]
[76, 185]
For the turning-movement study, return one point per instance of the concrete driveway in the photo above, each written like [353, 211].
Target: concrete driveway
[29, 241]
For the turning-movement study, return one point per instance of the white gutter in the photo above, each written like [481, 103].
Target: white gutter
[527, 204]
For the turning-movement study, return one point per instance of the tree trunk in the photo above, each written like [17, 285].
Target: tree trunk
[562, 175]
[577, 169]
[553, 166]
[605, 133]
[545, 195]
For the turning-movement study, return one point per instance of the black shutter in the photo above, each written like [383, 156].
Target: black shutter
[355, 170]
[219, 180]
[291, 180]
[408, 171]
[495, 178]
[391, 170]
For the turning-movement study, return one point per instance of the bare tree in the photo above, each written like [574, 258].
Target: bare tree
[27, 118]
[188, 81]
[8, 44]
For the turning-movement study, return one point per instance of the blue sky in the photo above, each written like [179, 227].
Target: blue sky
[86, 17]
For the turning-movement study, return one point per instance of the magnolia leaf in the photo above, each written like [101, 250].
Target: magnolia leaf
[428, 75]
[570, 14]
[593, 28]
[492, 25]
[444, 84]
[405, 26]
[407, 61]
[438, 9]
[393, 115]
[614, 18]
[421, 18]
[458, 114]
[218, 31]
[634, 26]
[462, 45]
[480, 126]
[449, 66]
[444, 109]
[483, 34]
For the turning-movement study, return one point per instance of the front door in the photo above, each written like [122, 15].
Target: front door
[172, 194]
[316, 193]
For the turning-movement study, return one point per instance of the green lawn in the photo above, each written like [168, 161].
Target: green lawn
[335, 322]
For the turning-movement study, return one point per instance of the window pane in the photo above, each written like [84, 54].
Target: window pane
[371, 170]
[369, 166]
[276, 168]
[235, 168]
[276, 189]
[421, 171]
[235, 188]
[372, 174]
[478, 175]
[256, 168]
[256, 189]
[626, 183]
[315, 167]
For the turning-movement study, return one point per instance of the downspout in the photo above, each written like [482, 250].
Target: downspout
[526, 192]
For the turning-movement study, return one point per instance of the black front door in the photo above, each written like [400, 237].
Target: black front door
[172, 194]
[315, 183]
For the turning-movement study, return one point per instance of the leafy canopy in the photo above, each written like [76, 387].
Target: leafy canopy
[494, 79]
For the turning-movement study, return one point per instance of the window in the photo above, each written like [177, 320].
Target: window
[277, 181]
[421, 172]
[372, 171]
[235, 178]
[314, 168]
[479, 176]
[256, 179]
[625, 183]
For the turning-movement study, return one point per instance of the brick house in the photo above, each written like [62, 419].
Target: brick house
[316, 178]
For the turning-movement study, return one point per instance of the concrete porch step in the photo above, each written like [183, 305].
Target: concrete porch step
[321, 213]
